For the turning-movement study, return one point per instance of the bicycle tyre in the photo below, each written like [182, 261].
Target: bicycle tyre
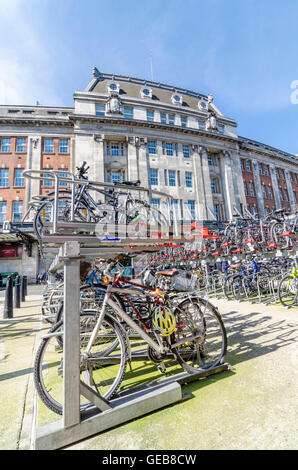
[48, 382]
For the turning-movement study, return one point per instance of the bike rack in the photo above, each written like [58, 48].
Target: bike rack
[132, 403]
[66, 249]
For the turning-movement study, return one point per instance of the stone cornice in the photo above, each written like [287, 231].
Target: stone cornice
[151, 125]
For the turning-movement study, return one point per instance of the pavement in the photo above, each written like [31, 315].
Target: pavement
[254, 406]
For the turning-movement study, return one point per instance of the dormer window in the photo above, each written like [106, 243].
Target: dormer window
[113, 87]
[146, 92]
[202, 105]
[176, 99]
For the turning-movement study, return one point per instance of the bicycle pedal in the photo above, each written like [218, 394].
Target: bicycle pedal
[162, 368]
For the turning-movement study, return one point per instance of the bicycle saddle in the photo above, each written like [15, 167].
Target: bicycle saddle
[132, 183]
[170, 273]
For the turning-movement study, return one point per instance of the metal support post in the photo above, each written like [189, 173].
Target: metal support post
[71, 346]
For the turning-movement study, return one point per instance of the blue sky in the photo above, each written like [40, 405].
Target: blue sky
[243, 52]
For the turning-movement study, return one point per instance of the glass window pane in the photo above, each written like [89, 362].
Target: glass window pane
[100, 110]
[18, 177]
[49, 145]
[172, 178]
[153, 177]
[151, 146]
[21, 144]
[63, 146]
[5, 144]
[17, 211]
[3, 207]
[4, 177]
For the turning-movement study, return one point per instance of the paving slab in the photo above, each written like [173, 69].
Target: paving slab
[254, 406]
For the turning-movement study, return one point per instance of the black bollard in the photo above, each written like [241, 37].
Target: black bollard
[17, 292]
[8, 302]
[23, 280]
[26, 284]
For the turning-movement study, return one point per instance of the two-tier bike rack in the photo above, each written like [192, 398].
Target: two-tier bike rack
[67, 249]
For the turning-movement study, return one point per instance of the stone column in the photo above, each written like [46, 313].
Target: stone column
[228, 186]
[199, 183]
[290, 191]
[275, 187]
[240, 197]
[132, 160]
[258, 188]
[206, 181]
[33, 163]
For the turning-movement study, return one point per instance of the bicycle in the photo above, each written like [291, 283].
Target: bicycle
[188, 330]
[288, 287]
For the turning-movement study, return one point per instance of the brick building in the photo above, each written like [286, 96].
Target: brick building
[173, 140]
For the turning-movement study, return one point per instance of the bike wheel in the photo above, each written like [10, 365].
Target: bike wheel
[103, 369]
[200, 335]
[288, 291]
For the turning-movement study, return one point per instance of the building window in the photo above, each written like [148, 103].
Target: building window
[167, 149]
[48, 182]
[266, 170]
[286, 196]
[245, 188]
[153, 177]
[128, 112]
[114, 149]
[150, 115]
[241, 164]
[251, 189]
[49, 145]
[115, 176]
[188, 179]
[17, 211]
[221, 129]
[267, 210]
[191, 207]
[277, 172]
[4, 177]
[5, 144]
[183, 121]
[63, 146]
[167, 118]
[3, 207]
[282, 174]
[152, 147]
[186, 151]
[155, 203]
[216, 211]
[172, 178]
[202, 125]
[248, 167]
[63, 174]
[260, 168]
[270, 195]
[100, 110]
[18, 177]
[264, 191]
[281, 194]
[214, 186]
[21, 144]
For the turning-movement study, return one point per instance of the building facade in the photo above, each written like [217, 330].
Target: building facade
[171, 139]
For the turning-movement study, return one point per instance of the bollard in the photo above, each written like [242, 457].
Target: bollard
[8, 302]
[26, 285]
[17, 293]
[23, 281]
